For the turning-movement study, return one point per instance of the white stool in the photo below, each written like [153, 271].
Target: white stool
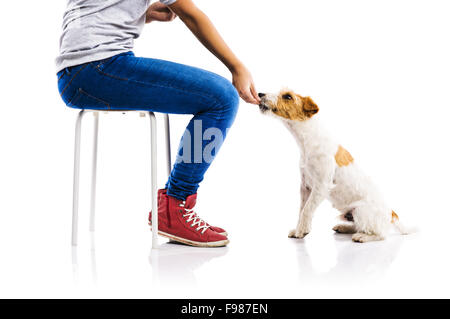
[76, 173]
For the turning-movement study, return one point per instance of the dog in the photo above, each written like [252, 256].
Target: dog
[328, 171]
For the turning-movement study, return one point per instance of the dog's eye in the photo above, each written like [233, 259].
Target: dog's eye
[287, 97]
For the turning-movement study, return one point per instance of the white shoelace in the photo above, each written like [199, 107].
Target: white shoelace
[196, 221]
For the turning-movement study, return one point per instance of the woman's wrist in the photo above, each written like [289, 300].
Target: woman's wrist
[236, 67]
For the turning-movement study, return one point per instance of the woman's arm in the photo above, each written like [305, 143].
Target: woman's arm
[204, 30]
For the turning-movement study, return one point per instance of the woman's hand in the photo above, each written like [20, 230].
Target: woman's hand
[159, 12]
[243, 82]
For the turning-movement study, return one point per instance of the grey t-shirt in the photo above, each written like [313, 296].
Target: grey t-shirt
[99, 29]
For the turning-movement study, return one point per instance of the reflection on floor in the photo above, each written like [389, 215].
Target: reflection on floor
[172, 263]
[351, 263]
[326, 263]
[175, 264]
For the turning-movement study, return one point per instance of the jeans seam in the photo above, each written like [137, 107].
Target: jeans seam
[95, 98]
[216, 102]
[62, 74]
[97, 68]
[70, 82]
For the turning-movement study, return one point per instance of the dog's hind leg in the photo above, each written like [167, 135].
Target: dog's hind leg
[364, 238]
[371, 222]
[345, 228]
[349, 227]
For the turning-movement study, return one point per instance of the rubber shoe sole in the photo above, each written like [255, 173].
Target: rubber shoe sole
[221, 243]
[223, 234]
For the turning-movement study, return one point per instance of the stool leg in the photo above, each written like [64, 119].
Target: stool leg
[94, 172]
[154, 181]
[168, 152]
[76, 178]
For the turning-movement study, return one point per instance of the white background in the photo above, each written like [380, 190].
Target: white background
[379, 70]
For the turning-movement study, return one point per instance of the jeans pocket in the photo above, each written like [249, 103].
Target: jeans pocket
[100, 65]
[84, 100]
[103, 65]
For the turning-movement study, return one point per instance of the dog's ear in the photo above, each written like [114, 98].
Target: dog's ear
[309, 107]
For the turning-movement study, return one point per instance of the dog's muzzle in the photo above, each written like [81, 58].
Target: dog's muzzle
[263, 107]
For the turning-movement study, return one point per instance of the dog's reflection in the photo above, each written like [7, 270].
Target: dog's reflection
[354, 263]
[175, 264]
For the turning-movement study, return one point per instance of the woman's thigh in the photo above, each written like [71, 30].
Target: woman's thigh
[126, 82]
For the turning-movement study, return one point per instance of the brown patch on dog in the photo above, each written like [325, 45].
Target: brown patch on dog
[343, 157]
[394, 217]
[292, 106]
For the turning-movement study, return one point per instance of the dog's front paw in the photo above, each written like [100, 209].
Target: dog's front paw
[292, 234]
[301, 234]
[298, 234]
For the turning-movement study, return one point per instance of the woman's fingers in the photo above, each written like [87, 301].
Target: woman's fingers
[254, 93]
[159, 15]
[172, 15]
[160, 12]
[247, 96]
[243, 82]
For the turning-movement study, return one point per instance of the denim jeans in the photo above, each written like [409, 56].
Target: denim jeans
[126, 82]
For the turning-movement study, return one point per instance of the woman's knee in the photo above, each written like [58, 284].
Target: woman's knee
[226, 102]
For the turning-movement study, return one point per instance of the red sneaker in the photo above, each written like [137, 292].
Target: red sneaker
[218, 230]
[214, 228]
[178, 221]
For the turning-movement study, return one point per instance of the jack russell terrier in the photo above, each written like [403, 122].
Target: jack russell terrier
[329, 172]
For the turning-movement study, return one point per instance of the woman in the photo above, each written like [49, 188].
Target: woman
[97, 70]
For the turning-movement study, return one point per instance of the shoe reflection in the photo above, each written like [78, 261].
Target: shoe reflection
[175, 264]
[350, 262]
[171, 263]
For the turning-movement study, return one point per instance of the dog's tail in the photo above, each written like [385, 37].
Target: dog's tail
[395, 220]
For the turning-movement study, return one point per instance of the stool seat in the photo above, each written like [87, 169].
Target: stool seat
[154, 183]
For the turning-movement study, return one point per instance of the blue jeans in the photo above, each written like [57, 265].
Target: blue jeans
[126, 82]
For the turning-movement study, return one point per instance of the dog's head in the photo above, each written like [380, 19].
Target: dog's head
[288, 105]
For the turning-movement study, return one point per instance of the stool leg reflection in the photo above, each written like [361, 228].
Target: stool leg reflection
[93, 261]
[75, 272]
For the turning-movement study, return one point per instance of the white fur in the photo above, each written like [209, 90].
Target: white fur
[347, 187]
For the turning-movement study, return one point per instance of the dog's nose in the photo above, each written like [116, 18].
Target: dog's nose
[261, 94]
